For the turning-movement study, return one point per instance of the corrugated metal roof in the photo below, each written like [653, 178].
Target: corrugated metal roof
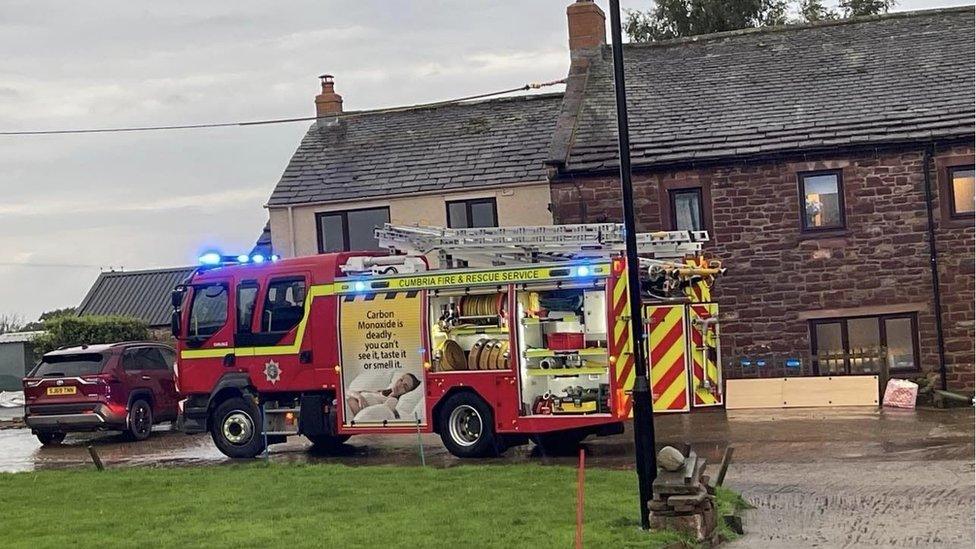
[139, 294]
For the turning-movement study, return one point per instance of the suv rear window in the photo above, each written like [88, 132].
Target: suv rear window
[81, 364]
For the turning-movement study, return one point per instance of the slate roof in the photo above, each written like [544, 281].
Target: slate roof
[140, 294]
[450, 147]
[901, 77]
[263, 244]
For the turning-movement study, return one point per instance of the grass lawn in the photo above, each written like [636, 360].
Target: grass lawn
[259, 505]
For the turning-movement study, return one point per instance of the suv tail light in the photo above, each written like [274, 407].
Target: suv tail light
[102, 379]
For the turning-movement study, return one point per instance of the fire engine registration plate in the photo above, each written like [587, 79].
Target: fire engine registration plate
[51, 391]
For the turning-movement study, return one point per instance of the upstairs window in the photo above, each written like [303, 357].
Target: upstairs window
[686, 210]
[962, 195]
[472, 214]
[350, 230]
[821, 201]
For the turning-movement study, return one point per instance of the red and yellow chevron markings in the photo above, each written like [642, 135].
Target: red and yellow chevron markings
[669, 368]
[706, 378]
[622, 351]
[698, 291]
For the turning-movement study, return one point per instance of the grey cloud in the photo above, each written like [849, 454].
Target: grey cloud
[103, 63]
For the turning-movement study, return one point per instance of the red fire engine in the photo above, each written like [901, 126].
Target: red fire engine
[536, 346]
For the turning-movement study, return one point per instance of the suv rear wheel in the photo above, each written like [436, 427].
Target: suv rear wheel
[235, 427]
[139, 421]
[49, 438]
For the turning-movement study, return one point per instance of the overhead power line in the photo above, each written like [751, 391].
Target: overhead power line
[54, 265]
[526, 87]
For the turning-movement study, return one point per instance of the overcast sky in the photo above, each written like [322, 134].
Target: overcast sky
[74, 204]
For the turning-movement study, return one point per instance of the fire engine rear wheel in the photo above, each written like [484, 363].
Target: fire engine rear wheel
[235, 427]
[327, 443]
[467, 427]
[560, 443]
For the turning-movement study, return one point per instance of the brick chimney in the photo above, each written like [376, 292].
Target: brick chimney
[328, 102]
[587, 25]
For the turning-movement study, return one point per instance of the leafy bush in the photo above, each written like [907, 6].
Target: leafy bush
[70, 331]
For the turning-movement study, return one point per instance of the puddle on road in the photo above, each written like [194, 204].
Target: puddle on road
[765, 436]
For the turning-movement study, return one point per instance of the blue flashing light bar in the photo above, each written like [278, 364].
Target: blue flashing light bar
[582, 270]
[215, 259]
[211, 258]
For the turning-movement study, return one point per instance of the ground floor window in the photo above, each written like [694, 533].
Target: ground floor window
[859, 345]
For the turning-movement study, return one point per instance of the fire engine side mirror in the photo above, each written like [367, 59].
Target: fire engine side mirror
[176, 299]
[174, 323]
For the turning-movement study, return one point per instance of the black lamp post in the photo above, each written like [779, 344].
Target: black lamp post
[643, 408]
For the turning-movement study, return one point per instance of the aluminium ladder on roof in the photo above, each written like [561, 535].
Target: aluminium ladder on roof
[531, 244]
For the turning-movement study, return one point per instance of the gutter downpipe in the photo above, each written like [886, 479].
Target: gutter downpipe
[291, 229]
[934, 265]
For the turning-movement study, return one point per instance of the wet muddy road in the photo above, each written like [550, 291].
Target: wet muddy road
[819, 478]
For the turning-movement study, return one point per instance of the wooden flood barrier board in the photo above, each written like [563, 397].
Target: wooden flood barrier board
[801, 392]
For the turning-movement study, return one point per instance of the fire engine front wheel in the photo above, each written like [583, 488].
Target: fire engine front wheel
[236, 428]
[467, 427]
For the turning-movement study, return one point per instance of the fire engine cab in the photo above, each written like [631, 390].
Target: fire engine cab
[535, 345]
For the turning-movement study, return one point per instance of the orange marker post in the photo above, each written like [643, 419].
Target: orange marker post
[580, 476]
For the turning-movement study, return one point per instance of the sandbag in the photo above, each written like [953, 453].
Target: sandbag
[900, 393]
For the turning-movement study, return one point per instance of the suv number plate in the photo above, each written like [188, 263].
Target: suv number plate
[61, 390]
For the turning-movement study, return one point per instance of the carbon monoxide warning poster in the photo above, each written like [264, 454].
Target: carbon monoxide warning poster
[382, 363]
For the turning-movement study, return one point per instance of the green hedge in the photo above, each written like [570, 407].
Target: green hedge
[70, 331]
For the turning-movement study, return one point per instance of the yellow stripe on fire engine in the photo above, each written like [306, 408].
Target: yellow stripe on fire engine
[319, 290]
[486, 277]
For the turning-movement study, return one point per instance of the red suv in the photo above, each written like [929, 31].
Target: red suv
[119, 386]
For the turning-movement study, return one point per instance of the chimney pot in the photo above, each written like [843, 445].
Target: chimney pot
[328, 102]
[587, 25]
